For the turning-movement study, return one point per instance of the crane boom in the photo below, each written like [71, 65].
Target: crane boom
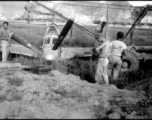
[65, 18]
[141, 16]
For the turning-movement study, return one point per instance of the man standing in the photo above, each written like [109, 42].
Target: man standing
[101, 75]
[115, 60]
[101, 28]
[5, 35]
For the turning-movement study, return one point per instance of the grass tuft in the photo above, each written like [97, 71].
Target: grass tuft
[15, 81]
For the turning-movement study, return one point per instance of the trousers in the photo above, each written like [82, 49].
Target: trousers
[101, 75]
[5, 50]
[114, 66]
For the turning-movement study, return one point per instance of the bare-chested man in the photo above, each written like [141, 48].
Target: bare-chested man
[101, 75]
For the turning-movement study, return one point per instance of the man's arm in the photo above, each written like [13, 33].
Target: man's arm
[96, 50]
[124, 47]
[101, 46]
[10, 34]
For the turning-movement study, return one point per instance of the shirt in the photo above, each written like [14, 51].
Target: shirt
[5, 34]
[117, 47]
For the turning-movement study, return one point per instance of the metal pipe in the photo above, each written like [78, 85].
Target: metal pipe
[106, 22]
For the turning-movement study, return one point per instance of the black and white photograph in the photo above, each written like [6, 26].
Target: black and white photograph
[60, 60]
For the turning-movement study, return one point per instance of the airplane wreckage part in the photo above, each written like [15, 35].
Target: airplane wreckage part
[50, 37]
[63, 33]
[63, 17]
[35, 69]
[27, 44]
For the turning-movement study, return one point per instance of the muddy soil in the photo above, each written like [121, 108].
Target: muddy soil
[57, 95]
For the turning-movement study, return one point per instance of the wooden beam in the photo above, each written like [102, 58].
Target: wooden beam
[9, 65]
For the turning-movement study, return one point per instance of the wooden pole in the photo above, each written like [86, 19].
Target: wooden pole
[53, 18]
[131, 34]
[107, 22]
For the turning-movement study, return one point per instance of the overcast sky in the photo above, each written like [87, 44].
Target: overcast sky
[140, 3]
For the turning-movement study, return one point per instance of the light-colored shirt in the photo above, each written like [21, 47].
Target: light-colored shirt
[104, 49]
[5, 34]
[117, 47]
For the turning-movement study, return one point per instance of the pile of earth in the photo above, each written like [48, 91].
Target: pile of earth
[57, 95]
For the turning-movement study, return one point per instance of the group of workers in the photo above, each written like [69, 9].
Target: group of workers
[109, 56]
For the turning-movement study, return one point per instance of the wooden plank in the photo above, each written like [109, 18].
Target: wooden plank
[10, 65]
[38, 69]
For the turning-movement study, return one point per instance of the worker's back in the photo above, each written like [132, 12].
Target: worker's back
[117, 47]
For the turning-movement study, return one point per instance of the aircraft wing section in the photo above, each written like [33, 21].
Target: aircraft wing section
[68, 52]
[21, 50]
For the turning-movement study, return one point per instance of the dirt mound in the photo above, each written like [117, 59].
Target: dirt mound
[56, 95]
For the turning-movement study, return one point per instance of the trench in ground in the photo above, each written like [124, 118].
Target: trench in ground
[85, 68]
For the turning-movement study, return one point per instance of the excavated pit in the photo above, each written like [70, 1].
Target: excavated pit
[57, 95]
[42, 92]
[39, 69]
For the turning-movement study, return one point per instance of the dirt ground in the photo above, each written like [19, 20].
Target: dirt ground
[57, 95]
